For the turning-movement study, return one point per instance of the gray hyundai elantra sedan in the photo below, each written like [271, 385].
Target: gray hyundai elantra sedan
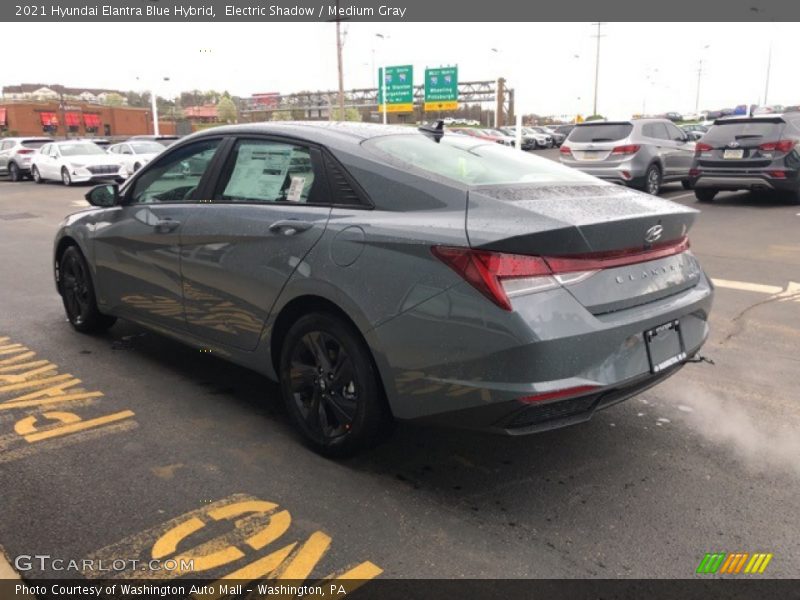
[388, 273]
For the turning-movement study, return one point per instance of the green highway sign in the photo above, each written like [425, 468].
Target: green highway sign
[441, 88]
[399, 89]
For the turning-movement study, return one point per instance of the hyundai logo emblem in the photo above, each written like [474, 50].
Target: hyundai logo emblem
[653, 234]
[733, 145]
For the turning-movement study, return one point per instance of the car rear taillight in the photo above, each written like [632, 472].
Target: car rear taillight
[500, 276]
[565, 150]
[579, 390]
[777, 174]
[694, 172]
[702, 147]
[779, 146]
[627, 149]
[24, 151]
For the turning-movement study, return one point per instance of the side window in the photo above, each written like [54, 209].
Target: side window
[125, 149]
[264, 171]
[176, 176]
[6, 146]
[675, 134]
[114, 149]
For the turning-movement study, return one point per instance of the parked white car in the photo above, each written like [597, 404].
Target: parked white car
[75, 162]
[133, 155]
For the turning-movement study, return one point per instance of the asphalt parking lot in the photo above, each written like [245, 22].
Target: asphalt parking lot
[707, 461]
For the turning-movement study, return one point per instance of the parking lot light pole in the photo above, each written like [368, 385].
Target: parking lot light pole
[154, 105]
[383, 80]
[598, 35]
[699, 76]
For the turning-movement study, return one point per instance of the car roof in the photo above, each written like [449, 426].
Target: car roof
[332, 133]
[27, 138]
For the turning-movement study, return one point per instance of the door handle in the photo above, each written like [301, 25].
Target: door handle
[166, 225]
[290, 226]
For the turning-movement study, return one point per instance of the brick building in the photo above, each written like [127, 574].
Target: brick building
[76, 119]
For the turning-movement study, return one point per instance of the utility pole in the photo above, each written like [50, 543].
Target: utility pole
[598, 35]
[339, 61]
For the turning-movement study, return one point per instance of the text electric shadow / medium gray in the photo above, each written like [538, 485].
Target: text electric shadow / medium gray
[385, 273]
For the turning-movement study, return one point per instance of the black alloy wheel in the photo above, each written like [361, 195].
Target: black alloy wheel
[330, 385]
[77, 294]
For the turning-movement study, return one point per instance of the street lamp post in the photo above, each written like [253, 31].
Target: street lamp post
[699, 77]
[154, 105]
[495, 51]
[383, 80]
[598, 35]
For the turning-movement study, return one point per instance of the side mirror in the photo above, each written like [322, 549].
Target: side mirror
[104, 195]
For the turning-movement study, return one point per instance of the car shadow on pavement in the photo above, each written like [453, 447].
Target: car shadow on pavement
[754, 199]
[471, 472]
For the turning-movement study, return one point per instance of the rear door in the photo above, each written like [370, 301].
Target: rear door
[658, 138]
[270, 205]
[681, 152]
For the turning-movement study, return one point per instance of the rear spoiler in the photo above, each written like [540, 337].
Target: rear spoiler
[757, 119]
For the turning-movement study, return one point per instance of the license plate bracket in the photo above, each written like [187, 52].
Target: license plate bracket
[665, 346]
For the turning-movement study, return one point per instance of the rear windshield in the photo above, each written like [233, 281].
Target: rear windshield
[601, 132]
[34, 143]
[473, 162]
[733, 131]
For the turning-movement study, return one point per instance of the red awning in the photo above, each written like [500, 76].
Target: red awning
[48, 118]
[91, 120]
[3, 117]
[73, 119]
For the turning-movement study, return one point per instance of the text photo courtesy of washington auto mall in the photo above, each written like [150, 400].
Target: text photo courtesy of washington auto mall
[484, 300]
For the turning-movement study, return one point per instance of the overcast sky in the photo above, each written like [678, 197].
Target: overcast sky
[643, 66]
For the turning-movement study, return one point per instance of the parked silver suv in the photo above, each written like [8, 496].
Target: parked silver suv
[643, 153]
[16, 154]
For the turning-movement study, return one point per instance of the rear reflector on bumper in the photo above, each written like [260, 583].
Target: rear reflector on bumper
[500, 276]
[559, 394]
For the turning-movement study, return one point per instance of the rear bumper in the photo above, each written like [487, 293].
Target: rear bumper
[517, 418]
[745, 182]
[456, 359]
[628, 172]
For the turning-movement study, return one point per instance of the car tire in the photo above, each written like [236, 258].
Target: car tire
[340, 414]
[705, 195]
[687, 185]
[35, 174]
[652, 180]
[14, 174]
[65, 177]
[77, 293]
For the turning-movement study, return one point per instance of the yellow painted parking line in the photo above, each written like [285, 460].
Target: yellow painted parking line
[30, 365]
[36, 383]
[168, 543]
[79, 426]
[49, 400]
[17, 358]
[246, 554]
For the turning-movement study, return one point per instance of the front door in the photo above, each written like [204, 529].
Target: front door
[137, 244]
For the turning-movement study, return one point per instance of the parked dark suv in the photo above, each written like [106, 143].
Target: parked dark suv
[749, 153]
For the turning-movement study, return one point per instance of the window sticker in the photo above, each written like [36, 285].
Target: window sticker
[295, 192]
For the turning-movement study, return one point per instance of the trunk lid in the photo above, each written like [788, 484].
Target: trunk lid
[589, 222]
